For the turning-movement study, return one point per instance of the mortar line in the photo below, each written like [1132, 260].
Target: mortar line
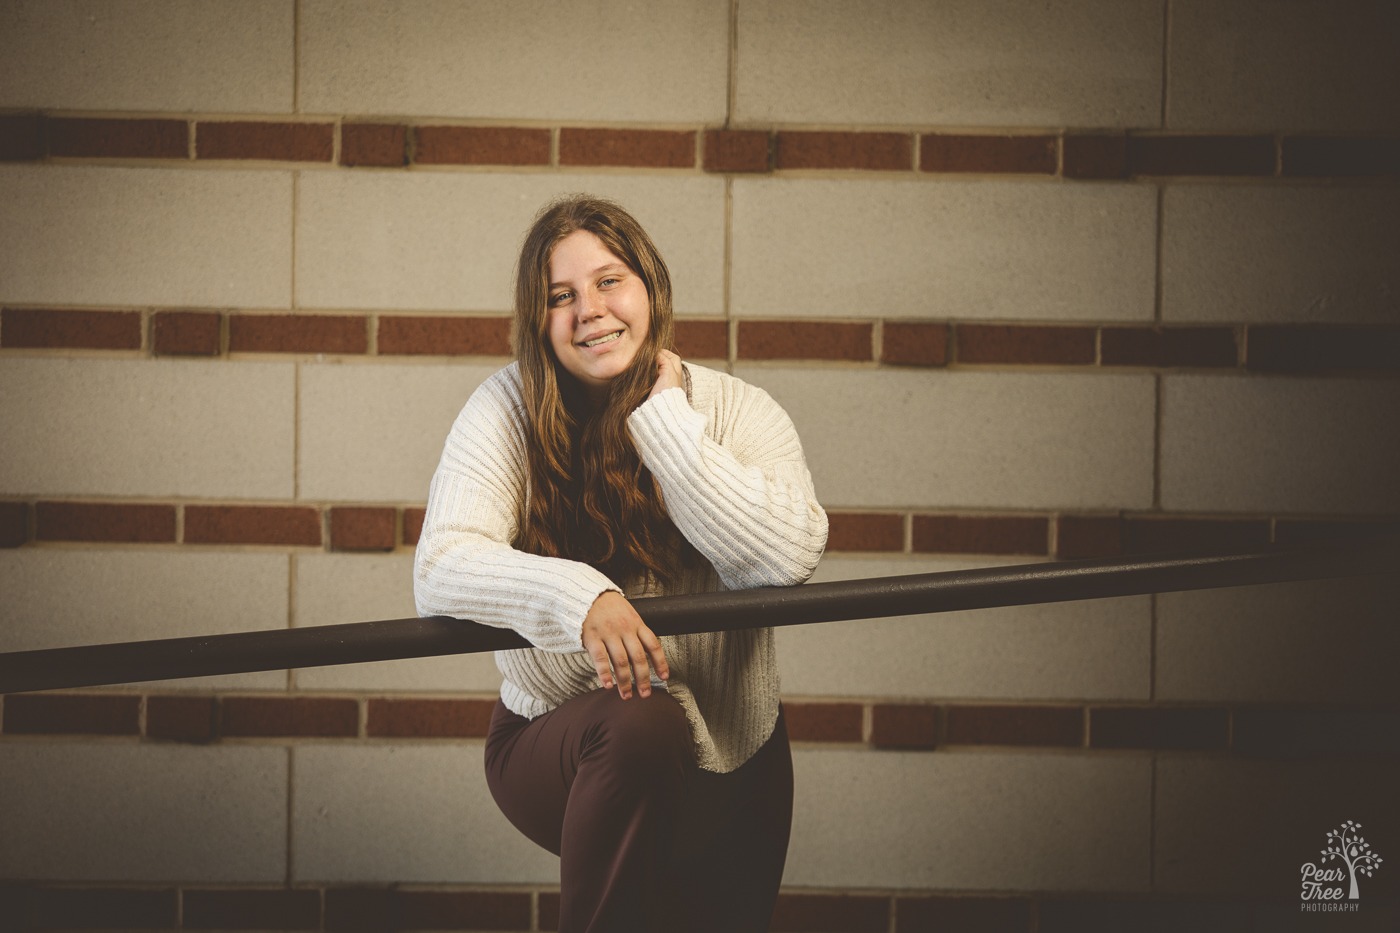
[1152, 647]
[731, 92]
[291, 780]
[296, 56]
[730, 329]
[292, 272]
[1166, 59]
[1159, 390]
[1152, 825]
[291, 684]
[296, 431]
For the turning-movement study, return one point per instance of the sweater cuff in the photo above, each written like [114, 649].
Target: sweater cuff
[666, 414]
[574, 603]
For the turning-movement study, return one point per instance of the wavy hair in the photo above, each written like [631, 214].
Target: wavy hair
[590, 498]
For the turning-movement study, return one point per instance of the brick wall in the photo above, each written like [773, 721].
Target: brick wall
[1034, 282]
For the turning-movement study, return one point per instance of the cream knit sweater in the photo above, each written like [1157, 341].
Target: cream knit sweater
[736, 485]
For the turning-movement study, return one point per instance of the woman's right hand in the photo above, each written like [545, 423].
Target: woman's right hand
[620, 643]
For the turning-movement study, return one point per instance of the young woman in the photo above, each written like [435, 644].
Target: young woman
[596, 468]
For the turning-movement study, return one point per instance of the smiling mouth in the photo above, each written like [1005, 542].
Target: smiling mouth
[606, 338]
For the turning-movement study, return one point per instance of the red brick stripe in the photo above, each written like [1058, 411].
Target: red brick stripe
[883, 152]
[1100, 913]
[1340, 157]
[914, 344]
[14, 523]
[361, 909]
[390, 909]
[804, 340]
[457, 908]
[444, 336]
[377, 144]
[969, 912]
[186, 333]
[1159, 728]
[1095, 156]
[903, 726]
[289, 716]
[1025, 155]
[1312, 733]
[1271, 347]
[549, 910]
[363, 529]
[1313, 348]
[274, 909]
[1256, 730]
[462, 910]
[297, 333]
[1317, 531]
[413, 525]
[281, 142]
[100, 521]
[31, 136]
[1015, 725]
[865, 531]
[63, 329]
[434, 719]
[480, 145]
[1201, 155]
[252, 524]
[738, 151]
[981, 534]
[181, 718]
[844, 913]
[103, 908]
[1011, 343]
[703, 340]
[632, 148]
[21, 137]
[72, 714]
[1171, 346]
[118, 139]
[1152, 535]
[1079, 537]
[824, 722]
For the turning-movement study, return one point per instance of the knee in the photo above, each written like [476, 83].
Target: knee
[647, 739]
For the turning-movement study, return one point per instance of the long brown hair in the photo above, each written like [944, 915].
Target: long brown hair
[590, 498]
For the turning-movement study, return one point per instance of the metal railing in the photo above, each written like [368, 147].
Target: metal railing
[880, 597]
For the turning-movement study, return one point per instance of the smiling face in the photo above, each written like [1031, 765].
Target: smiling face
[599, 311]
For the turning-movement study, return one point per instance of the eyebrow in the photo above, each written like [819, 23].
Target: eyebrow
[609, 267]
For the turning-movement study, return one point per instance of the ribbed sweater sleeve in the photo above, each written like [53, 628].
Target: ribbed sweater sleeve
[465, 566]
[743, 497]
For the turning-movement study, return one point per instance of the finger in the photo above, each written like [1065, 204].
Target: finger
[599, 654]
[637, 655]
[652, 644]
[621, 668]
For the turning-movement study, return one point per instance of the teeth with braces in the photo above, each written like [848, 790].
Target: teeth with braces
[603, 339]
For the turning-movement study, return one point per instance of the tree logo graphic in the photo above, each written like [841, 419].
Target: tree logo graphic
[1347, 845]
[1356, 852]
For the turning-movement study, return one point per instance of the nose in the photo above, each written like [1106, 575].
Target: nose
[589, 305]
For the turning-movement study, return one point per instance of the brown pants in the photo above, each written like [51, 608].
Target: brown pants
[647, 841]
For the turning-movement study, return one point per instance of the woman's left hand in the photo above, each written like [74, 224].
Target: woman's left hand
[669, 374]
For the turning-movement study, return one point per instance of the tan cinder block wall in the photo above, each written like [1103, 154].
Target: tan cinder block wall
[1035, 282]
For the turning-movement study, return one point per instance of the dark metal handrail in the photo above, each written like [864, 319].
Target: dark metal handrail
[880, 597]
